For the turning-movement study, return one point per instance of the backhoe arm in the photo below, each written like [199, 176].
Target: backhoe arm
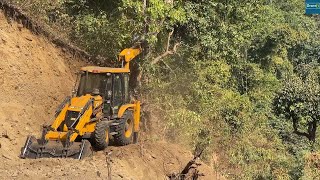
[129, 54]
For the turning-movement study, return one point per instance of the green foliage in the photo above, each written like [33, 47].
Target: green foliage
[299, 99]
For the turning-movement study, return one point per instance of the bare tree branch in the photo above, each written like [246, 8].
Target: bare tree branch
[169, 38]
[168, 51]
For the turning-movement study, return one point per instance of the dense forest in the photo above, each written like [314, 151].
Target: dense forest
[238, 78]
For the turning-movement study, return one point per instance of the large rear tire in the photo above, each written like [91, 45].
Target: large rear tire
[101, 135]
[124, 130]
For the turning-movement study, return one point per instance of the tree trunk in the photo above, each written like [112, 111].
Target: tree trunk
[296, 131]
[312, 130]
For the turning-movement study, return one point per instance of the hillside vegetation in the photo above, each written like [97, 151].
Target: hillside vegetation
[239, 78]
[36, 75]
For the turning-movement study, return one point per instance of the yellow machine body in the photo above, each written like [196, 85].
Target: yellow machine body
[85, 126]
[91, 116]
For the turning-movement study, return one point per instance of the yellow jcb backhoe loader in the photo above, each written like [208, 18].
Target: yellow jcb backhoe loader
[99, 110]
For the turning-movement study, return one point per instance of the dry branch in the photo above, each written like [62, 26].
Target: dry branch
[190, 171]
[108, 161]
[168, 51]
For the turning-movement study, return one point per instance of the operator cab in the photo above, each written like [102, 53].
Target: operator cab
[112, 84]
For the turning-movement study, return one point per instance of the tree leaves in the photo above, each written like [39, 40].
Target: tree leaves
[299, 101]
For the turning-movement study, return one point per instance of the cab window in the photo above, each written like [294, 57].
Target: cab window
[117, 91]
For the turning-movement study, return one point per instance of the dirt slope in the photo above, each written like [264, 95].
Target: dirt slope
[35, 77]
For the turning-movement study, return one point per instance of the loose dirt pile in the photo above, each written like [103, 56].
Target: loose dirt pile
[150, 161]
[35, 77]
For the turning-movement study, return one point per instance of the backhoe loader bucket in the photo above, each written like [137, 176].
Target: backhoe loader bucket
[35, 148]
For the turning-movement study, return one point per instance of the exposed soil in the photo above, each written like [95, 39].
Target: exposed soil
[35, 77]
[152, 161]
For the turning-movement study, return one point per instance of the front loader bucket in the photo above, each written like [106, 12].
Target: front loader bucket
[34, 149]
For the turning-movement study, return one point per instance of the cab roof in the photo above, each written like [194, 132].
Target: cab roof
[97, 69]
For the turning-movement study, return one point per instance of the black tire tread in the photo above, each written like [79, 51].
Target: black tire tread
[99, 138]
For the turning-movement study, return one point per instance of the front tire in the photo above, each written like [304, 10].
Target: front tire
[101, 135]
